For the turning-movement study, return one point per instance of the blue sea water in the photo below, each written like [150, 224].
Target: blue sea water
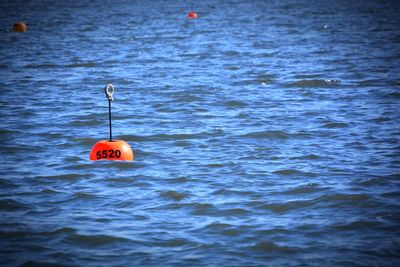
[265, 133]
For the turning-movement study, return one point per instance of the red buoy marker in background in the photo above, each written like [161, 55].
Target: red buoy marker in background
[192, 15]
[111, 149]
[19, 27]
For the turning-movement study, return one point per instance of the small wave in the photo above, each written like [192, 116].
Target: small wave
[215, 165]
[231, 53]
[128, 164]
[174, 195]
[103, 220]
[271, 247]
[375, 181]
[370, 83]
[356, 225]
[87, 122]
[265, 79]
[308, 157]
[66, 177]
[15, 233]
[235, 104]
[307, 76]
[159, 137]
[204, 209]
[174, 242]
[303, 190]
[267, 135]
[333, 125]
[314, 83]
[395, 95]
[43, 264]
[52, 135]
[347, 200]
[233, 212]
[12, 205]
[85, 141]
[60, 231]
[218, 226]
[82, 65]
[381, 119]
[7, 132]
[392, 194]
[83, 195]
[117, 180]
[291, 172]
[7, 184]
[43, 66]
[49, 191]
[73, 159]
[179, 180]
[64, 231]
[278, 134]
[226, 192]
[96, 240]
[231, 67]
[287, 206]
[265, 55]
[351, 198]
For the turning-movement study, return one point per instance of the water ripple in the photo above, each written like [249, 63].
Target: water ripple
[264, 133]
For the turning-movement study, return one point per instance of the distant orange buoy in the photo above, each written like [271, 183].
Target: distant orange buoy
[111, 149]
[19, 27]
[192, 15]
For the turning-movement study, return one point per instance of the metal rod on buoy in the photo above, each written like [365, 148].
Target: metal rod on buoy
[109, 90]
[109, 118]
[18, 12]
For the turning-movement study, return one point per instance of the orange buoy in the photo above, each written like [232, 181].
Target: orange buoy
[192, 15]
[111, 149]
[19, 27]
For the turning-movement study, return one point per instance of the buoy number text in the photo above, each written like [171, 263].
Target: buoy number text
[108, 154]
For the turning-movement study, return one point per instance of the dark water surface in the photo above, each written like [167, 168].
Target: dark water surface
[266, 133]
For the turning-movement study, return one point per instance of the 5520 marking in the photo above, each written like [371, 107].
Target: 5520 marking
[107, 154]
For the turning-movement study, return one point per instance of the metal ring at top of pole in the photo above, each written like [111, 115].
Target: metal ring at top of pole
[109, 91]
